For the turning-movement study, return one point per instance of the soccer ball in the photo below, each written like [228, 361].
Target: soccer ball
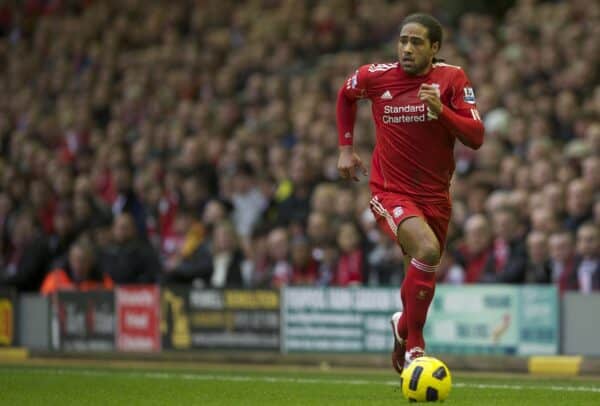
[426, 379]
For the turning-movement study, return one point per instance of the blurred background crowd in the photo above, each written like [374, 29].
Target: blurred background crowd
[195, 142]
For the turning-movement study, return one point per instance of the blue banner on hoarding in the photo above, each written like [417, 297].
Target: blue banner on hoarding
[338, 319]
[490, 319]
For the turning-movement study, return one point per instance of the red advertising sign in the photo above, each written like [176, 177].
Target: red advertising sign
[138, 318]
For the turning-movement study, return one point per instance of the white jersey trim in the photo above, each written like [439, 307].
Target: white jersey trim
[382, 67]
[379, 209]
[435, 65]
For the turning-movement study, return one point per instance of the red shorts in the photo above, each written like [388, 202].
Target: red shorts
[391, 209]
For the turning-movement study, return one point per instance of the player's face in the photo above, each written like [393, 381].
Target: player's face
[415, 50]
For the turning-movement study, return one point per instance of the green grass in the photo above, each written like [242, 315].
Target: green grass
[64, 383]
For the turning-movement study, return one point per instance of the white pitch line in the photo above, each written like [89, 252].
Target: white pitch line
[275, 379]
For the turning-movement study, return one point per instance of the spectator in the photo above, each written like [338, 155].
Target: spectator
[562, 259]
[280, 270]
[25, 264]
[544, 220]
[194, 194]
[319, 233]
[587, 268]
[186, 252]
[579, 204]
[538, 268]
[510, 255]
[296, 206]
[475, 256]
[305, 270]
[88, 214]
[215, 262]
[126, 200]
[256, 266]
[350, 268]
[44, 204]
[80, 272]
[129, 258]
[227, 258]
[386, 263]
[345, 200]
[64, 234]
[194, 161]
[591, 172]
[248, 201]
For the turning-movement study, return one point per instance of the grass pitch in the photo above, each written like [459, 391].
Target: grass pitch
[126, 383]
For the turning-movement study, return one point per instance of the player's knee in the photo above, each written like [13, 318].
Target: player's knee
[429, 253]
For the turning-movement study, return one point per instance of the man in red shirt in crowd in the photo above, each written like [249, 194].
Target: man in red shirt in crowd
[420, 107]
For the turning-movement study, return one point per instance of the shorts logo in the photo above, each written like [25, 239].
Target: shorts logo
[398, 211]
[469, 96]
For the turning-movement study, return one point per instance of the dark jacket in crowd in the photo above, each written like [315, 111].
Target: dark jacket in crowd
[130, 262]
[29, 268]
[200, 266]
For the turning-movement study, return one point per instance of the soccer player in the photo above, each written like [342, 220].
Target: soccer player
[420, 107]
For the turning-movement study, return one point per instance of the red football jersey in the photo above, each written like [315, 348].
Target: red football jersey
[414, 154]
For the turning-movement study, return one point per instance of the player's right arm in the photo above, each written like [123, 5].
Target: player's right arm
[354, 88]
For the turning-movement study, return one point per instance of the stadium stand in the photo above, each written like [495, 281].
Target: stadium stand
[212, 125]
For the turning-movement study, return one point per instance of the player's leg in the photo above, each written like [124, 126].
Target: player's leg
[420, 243]
[400, 218]
[400, 328]
[382, 207]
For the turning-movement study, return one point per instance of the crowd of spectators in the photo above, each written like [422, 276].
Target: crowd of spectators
[195, 142]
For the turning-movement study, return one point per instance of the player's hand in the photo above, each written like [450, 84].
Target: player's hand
[349, 162]
[430, 94]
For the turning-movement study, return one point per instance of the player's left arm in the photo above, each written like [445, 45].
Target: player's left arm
[461, 116]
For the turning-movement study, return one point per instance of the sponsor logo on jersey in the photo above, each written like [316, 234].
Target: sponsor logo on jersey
[469, 96]
[386, 95]
[410, 113]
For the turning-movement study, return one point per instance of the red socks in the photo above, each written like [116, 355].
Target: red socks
[402, 326]
[416, 293]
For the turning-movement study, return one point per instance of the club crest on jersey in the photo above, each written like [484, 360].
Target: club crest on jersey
[469, 96]
[398, 211]
[352, 81]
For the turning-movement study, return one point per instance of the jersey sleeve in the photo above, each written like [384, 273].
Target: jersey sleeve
[463, 99]
[356, 85]
[353, 89]
[462, 117]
